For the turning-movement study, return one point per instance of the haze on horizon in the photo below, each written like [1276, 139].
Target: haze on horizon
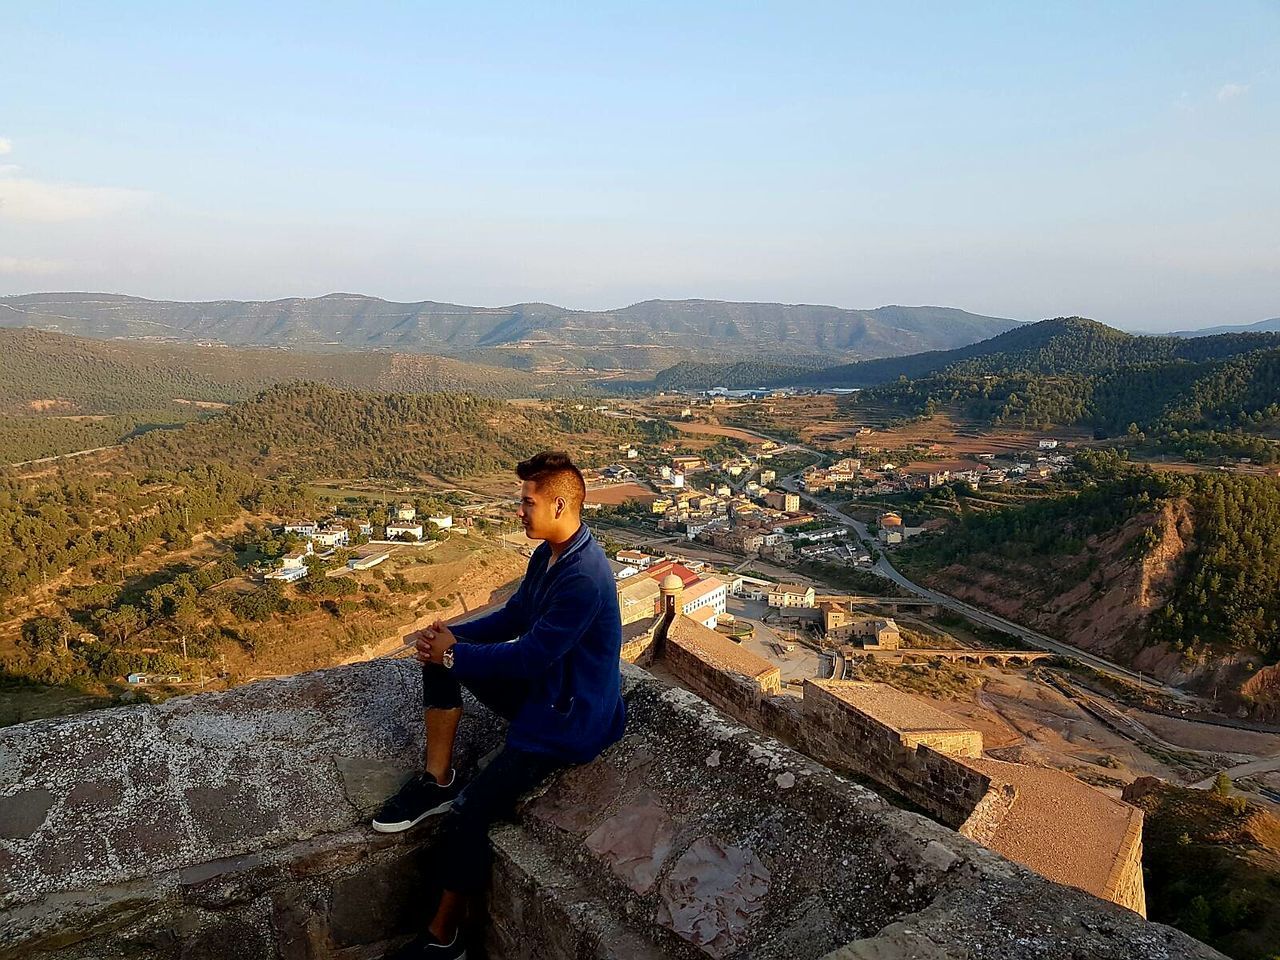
[1018, 160]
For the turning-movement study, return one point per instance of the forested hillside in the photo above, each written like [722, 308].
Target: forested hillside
[166, 485]
[1203, 549]
[59, 394]
[1066, 346]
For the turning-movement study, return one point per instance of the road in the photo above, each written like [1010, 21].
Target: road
[65, 456]
[1265, 765]
[1031, 637]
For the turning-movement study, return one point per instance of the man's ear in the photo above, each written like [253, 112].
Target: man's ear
[561, 503]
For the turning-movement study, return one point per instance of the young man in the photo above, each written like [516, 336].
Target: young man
[547, 662]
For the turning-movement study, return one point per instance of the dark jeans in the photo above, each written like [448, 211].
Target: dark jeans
[464, 853]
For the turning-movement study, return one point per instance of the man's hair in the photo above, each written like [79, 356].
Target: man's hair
[554, 474]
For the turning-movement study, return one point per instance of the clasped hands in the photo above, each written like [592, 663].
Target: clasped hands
[430, 643]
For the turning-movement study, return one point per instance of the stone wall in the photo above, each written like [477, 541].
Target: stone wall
[845, 738]
[234, 825]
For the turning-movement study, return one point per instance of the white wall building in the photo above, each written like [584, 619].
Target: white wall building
[397, 529]
[331, 537]
[704, 600]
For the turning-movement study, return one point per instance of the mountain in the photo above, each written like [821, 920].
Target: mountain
[1065, 345]
[535, 336]
[1262, 326]
[77, 375]
[60, 394]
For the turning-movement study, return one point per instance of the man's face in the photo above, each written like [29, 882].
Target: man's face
[538, 512]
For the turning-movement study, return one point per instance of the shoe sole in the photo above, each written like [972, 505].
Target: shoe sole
[402, 825]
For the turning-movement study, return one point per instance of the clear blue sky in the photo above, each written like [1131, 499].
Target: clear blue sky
[1116, 160]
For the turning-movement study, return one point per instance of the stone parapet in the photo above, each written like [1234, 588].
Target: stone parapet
[233, 825]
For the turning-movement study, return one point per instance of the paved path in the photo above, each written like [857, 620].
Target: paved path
[1265, 765]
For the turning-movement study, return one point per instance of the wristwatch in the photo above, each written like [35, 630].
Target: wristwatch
[446, 658]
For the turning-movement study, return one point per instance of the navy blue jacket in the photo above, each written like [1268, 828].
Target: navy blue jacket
[560, 634]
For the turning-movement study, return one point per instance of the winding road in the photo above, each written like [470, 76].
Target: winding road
[1031, 637]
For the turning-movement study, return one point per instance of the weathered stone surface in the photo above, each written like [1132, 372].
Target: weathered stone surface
[367, 783]
[712, 893]
[382, 900]
[574, 801]
[22, 813]
[805, 861]
[635, 841]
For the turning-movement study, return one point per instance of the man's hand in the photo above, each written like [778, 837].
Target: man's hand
[430, 643]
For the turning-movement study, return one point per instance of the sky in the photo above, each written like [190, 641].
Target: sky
[1116, 160]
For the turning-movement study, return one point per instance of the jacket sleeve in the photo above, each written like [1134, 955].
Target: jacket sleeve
[553, 634]
[496, 626]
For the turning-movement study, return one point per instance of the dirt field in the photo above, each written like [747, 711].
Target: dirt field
[715, 430]
[949, 438]
[1202, 736]
[616, 493]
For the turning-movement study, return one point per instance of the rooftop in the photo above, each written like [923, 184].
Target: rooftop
[705, 586]
[717, 650]
[1060, 827]
[900, 711]
[791, 588]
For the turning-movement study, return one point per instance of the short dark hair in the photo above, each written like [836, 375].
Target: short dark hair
[553, 472]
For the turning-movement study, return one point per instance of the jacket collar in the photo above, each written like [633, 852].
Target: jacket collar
[576, 543]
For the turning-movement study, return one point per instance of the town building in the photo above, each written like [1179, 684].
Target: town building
[367, 557]
[839, 622]
[406, 511]
[331, 536]
[783, 500]
[404, 529]
[635, 558]
[441, 522]
[293, 565]
[783, 595]
[704, 600]
[622, 570]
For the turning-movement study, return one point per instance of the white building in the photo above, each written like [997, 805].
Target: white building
[750, 588]
[704, 600]
[406, 511]
[331, 537]
[442, 522]
[1048, 444]
[635, 558]
[303, 528]
[367, 559]
[790, 595]
[293, 565]
[397, 530]
[366, 528]
[677, 480]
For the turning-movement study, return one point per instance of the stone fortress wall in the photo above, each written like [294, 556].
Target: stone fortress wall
[235, 825]
[924, 755]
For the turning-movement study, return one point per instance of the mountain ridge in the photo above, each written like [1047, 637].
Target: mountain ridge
[1270, 325]
[1058, 345]
[643, 336]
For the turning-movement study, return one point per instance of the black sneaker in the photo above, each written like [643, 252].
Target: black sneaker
[427, 947]
[419, 798]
